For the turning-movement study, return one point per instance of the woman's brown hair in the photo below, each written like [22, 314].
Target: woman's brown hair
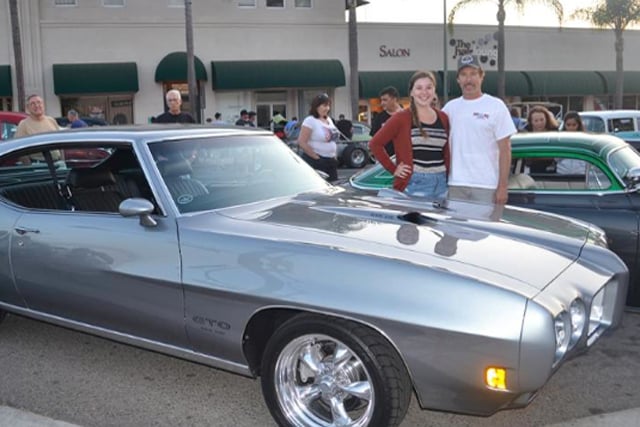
[319, 100]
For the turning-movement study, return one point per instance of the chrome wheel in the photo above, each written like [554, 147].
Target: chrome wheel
[320, 381]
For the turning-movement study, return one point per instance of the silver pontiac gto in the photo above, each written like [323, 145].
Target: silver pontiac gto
[223, 247]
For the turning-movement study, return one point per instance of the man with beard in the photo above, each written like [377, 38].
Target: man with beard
[479, 139]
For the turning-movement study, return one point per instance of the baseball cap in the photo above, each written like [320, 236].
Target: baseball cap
[468, 61]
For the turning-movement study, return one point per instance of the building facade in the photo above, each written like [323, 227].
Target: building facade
[115, 59]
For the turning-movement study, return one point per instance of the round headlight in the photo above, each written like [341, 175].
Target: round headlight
[562, 326]
[578, 313]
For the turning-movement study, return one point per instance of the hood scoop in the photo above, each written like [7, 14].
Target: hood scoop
[417, 218]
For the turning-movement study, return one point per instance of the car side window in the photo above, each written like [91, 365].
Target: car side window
[559, 174]
[79, 178]
[621, 124]
[7, 130]
[593, 124]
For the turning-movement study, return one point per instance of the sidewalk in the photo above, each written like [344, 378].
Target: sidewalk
[10, 417]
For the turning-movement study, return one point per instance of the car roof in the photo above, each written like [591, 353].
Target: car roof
[148, 133]
[12, 116]
[611, 114]
[597, 143]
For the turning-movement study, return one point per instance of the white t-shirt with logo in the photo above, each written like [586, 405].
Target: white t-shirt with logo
[323, 136]
[476, 127]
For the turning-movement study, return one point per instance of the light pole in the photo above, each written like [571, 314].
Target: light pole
[445, 77]
[194, 98]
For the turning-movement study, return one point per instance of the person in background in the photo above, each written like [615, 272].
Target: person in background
[480, 139]
[218, 119]
[419, 136]
[75, 121]
[345, 127]
[517, 120]
[252, 119]
[572, 122]
[38, 121]
[290, 126]
[174, 114]
[389, 102]
[540, 120]
[318, 137]
[244, 119]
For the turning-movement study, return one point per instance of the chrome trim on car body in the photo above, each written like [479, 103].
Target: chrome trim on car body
[179, 352]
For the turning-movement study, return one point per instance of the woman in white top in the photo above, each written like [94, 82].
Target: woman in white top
[318, 136]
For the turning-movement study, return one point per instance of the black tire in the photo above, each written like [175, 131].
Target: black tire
[3, 314]
[355, 157]
[367, 380]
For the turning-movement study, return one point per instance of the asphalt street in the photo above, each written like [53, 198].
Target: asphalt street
[89, 381]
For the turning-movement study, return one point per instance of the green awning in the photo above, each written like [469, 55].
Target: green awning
[106, 77]
[6, 89]
[372, 82]
[631, 81]
[516, 84]
[228, 75]
[173, 68]
[554, 83]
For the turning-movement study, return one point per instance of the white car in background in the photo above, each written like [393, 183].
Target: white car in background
[622, 123]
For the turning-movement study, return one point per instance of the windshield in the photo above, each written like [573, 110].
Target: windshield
[623, 160]
[214, 173]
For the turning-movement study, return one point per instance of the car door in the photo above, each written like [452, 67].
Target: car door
[590, 194]
[100, 269]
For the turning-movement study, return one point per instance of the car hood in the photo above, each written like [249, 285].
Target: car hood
[462, 237]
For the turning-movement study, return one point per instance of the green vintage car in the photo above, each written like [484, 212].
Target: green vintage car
[593, 177]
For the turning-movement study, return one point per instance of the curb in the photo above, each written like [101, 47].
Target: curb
[19, 418]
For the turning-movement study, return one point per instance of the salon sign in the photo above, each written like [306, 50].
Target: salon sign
[385, 51]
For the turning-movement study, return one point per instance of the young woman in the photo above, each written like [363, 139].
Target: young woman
[318, 136]
[572, 122]
[419, 135]
[540, 120]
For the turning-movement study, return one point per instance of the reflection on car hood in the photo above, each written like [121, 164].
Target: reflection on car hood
[527, 246]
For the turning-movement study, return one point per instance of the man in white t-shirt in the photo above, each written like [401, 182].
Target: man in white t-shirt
[480, 139]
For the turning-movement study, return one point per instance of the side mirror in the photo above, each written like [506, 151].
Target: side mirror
[632, 178]
[138, 207]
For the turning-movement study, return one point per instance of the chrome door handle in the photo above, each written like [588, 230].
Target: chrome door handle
[24, 230]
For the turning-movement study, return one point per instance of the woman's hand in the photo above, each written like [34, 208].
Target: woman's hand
[402, 170]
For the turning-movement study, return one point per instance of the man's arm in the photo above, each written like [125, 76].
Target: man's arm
[504, 167]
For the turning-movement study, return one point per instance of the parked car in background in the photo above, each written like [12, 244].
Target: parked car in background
[9, 123]
[223, 247]
[624, 124]
[351, 153]
[361, 132]
[593, 177]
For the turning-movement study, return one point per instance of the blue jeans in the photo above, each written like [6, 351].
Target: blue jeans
[429, 185]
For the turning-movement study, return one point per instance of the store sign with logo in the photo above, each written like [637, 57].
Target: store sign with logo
[485, 48]
[393, 52]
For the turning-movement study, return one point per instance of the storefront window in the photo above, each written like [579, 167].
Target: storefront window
[112, 109]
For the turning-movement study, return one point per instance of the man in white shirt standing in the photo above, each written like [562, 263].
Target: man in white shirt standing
[480, 139]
